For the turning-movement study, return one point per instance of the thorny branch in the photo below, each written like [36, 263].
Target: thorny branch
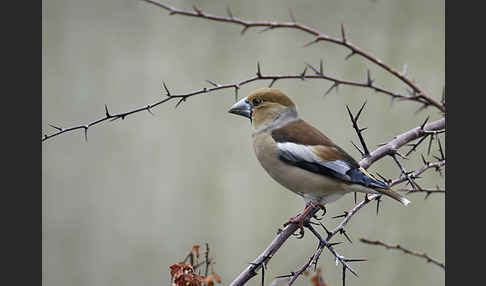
[401, 140]
[182, 97]
[405, 250]
[389, 149]
[417, 94]
[386, 149]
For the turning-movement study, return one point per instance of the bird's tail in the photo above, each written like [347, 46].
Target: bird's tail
[394, 195]
[380, 187]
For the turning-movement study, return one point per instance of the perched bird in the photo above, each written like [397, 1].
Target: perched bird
[300, 157]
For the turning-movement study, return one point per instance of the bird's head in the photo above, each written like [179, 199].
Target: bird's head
[265, 107]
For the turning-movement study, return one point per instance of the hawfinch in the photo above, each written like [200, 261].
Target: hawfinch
[299, 156]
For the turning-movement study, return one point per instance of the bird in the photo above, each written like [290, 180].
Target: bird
[300, 157]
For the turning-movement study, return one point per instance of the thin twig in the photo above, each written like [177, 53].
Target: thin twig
[414, 175]
[405, 250]
[401, 140]
[318, 36]
[184, 96]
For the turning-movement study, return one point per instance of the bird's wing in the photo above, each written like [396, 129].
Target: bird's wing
[303, 146]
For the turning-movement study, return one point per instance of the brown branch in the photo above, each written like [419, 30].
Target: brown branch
[268, 253]
[400, 140]
[184, 96]
[326, 242]
[418, 94]
[376, 155]
[427, 192]
[407, 251]
[414, 175]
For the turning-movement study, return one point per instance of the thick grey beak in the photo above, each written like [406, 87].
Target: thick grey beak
[242, 108]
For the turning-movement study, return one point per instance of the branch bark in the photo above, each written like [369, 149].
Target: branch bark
[418, 93]
[400, 140]
[405, 250]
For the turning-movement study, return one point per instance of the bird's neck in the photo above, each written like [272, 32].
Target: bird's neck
[274, 120]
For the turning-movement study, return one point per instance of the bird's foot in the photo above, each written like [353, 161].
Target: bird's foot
[324, 211]
[299, 220]
[302, 219]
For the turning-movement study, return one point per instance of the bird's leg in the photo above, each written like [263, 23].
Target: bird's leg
[299, 219]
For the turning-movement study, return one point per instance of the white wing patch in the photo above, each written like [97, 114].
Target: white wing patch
[302, 152]
[299, 153]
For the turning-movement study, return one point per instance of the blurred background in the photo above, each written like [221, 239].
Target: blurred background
[132, 200]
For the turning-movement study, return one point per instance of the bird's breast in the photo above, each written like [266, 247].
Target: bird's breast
[300, 181]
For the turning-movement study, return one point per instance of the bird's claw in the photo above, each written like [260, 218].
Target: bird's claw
[299, 220]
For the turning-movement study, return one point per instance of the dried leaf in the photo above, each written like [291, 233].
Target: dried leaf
[195, 249]
[183, 275]
[317, 279]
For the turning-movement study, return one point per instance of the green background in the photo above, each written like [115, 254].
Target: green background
[122, 207]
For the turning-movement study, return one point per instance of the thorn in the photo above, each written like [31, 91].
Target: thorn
[312, 68]
[150, 111]
[58, 128]
[321, 67]
[362, 155]
[404, 69]
[343, 215]
[344, 275]
[317, 39]
[423, 160]
[366, 198]
[442, 156]
[350, 55]
[180, 101]
[369, 80]
[244, 30]
[335, 85]
[291, 14]
[286, 275]
[343, 33]
[356, 194]
[378, 201]
[106, 112]
[273, 81]
[266, 29]
[259, 73]
[414, 146]
[166, 89]
[263, 273]
[228, 10]
[213, 83]
[325, 229]
[423, 124]
[355, 260]
[423, 107]
[86, 132]
[342, 231]
[359, 112]
[430, 144]
[400, 155]
[302, 75]
[236, 92]
[334, 243]
[197, 10]
[382, 177]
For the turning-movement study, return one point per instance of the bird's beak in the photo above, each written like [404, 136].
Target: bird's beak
[242, 108]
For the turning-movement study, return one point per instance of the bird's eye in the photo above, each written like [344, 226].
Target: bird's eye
[256, 101]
